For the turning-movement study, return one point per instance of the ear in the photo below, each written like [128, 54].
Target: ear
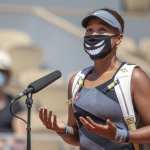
[119, 39]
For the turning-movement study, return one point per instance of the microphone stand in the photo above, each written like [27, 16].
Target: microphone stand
[31, 89]
[29, 102]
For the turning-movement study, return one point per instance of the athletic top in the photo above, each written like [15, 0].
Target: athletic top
[100, 104]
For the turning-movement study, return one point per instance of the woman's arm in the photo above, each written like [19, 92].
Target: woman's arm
[141, 96]
[72, 139]
[46, 118]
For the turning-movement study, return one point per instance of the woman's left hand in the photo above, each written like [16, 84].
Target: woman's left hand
[108, 130]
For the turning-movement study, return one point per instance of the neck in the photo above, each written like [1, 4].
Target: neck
[106, 64]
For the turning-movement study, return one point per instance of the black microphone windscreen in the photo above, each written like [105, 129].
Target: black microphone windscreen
[44, 81]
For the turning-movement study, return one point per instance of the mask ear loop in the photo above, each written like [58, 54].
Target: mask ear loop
[114, 35]
[120, 36]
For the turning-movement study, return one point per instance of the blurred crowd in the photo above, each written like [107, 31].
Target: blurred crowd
[8, 123]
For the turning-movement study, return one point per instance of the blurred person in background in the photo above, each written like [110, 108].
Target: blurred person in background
[8, 124]
[95, 119]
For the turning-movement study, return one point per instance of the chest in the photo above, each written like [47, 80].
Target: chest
[98, 104]
[93, 80]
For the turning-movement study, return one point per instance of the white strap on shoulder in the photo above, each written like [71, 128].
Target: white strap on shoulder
[78, 80]
[123, 90]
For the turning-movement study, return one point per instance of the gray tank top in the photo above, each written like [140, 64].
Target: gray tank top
[100, 104]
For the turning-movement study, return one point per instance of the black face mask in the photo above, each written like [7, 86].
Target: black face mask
[97, 46]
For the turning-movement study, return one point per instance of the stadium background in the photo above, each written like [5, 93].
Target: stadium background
[45, 35]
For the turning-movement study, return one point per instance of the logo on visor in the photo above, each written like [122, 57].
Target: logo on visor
[96, 13]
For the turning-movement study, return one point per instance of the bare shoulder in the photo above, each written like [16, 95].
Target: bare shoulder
[140, 78]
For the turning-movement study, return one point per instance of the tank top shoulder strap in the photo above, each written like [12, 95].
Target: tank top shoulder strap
[123, 90]
[79, 79]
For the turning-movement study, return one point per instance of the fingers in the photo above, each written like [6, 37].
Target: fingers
[96, 125]
[91, 124]
[45, 115]
[86, 123]
[48, 119]
[41, 114]
[108, 130]
[55, 126]
[89, 119]
[110, 124]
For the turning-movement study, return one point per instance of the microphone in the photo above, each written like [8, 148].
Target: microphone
[41, 83]
[33, 87]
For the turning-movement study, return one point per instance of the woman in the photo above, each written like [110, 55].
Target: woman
[7, 122]
[104, 32]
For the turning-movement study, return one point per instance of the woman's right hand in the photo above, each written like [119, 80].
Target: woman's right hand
[49, 121]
